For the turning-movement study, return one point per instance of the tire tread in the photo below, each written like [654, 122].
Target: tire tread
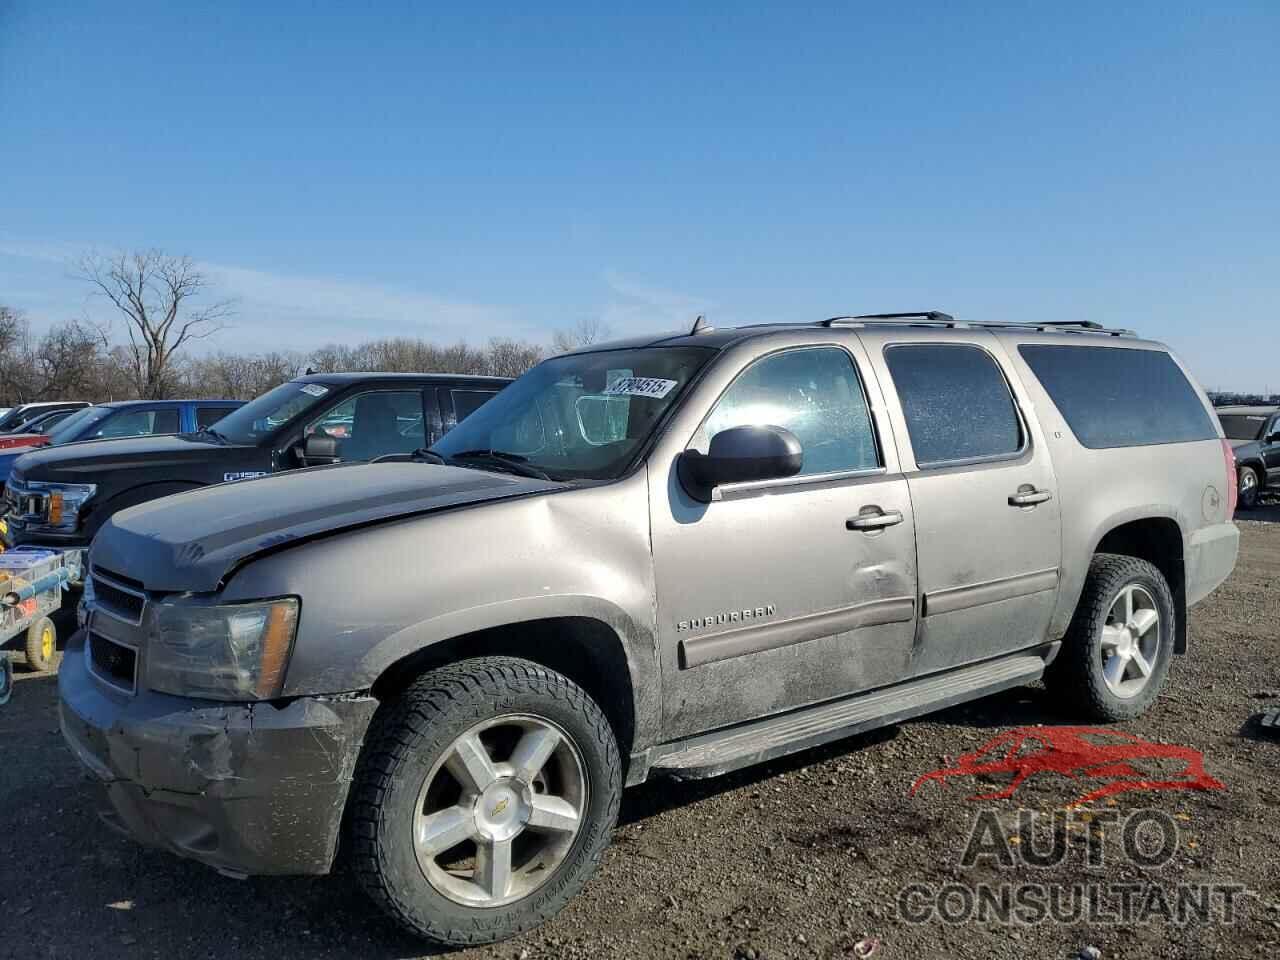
[391, 739]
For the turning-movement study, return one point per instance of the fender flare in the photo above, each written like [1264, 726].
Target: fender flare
[637, 642]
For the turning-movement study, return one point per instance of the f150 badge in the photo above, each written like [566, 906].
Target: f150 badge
[726, 618]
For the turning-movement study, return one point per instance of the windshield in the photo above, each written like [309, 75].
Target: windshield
[268, 413]
[13, 418]
[69, 429]
[583, 416]
[1241, 427]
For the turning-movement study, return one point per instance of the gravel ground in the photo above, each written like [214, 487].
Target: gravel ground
[802, 858]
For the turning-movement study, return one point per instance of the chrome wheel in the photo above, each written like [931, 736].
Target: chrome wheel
[1248, 487]
[499, 811]
[1131, 641]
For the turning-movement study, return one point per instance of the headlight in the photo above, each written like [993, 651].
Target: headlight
[62, 503]
[233, 651]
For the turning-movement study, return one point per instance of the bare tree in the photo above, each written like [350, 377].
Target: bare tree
[510, 358]
[585, 332]
[154, 291]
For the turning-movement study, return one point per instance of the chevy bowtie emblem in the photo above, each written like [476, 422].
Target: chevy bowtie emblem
[499, 807]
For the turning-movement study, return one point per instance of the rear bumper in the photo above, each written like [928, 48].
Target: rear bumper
[244, 788]
[1211, 556]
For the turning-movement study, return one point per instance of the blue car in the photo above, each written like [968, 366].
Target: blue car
[129, 418]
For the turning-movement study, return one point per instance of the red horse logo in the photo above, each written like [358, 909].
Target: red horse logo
[1079, 753]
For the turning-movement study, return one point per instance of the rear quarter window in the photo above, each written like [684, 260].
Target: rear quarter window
[1119, 397]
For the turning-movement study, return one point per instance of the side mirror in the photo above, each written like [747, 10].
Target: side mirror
[319, 450]
[740, 455]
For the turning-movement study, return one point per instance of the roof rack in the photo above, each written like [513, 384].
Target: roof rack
[928, 316]
[936, 318]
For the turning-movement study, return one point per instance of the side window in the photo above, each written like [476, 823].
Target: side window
[956, 401]
[1118, 396]
[139, 423]
[373, 424]
[813, 392]
[208, 416]
[467, 402]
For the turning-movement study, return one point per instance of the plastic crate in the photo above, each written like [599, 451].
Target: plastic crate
[22, 567]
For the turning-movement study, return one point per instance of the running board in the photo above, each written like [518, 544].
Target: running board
[712, 754]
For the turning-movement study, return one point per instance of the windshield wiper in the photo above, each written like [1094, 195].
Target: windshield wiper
[217, 437]
[430, 456]
[513, 462]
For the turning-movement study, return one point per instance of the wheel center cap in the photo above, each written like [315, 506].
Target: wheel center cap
[501, 811]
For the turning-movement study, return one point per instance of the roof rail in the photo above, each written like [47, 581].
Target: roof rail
[928, 316]
[936, 318]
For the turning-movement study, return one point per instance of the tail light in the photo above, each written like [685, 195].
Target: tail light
[1233, 482]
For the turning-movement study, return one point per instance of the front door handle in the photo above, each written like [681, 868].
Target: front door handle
[1029, 497]
[874, 521]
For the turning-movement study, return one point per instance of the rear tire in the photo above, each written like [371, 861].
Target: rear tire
[1250, 488]
[1116, 654]
[483, 800]
[42, 646]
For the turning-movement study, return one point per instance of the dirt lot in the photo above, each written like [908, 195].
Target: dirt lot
[798, 859]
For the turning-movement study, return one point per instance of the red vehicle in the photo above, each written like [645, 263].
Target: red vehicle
[23, 440]
[1121, 760]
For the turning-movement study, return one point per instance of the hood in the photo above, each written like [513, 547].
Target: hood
[70, 462]
[191, 541]
[1241, 444]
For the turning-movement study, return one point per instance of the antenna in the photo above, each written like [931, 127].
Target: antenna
[700, 326]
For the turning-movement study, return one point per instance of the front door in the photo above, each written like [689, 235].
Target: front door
[783, 593]
[987, 515]
[1271, 451]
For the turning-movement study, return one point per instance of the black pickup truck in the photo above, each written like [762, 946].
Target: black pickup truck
[1254, 434]
[59, 496]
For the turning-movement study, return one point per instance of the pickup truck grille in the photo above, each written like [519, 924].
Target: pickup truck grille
[111, 662]
[116, 596]
[23, 505]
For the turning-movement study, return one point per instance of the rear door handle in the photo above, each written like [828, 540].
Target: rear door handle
[1029, 497]
[874, 521]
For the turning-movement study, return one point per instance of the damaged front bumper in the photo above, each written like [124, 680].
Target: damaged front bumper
[246, 788]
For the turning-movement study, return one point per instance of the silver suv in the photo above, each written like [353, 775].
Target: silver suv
[672, 556]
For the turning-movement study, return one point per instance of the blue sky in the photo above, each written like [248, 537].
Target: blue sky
[463, 170]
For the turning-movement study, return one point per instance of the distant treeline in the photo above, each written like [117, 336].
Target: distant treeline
[1221, 398]
[75, 361]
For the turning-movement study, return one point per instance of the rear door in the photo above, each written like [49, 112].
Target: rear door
[458, 403]
[988, 524]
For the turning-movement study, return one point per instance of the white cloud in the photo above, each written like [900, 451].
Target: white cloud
[637, 307]
[321, 309]
[273, 310]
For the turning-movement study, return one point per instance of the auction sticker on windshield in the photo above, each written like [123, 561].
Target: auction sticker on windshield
[654, 387]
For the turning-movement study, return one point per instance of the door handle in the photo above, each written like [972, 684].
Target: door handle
[1029, 497]
[874, 521]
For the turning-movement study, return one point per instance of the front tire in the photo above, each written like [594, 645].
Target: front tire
[1115, 657]
[484, 798]
[1250, 488]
